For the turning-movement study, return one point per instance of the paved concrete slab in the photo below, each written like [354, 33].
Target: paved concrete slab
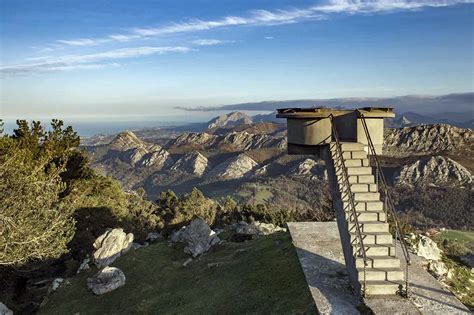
[320, 253]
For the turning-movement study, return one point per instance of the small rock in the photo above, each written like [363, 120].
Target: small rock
[106, 280]
[258, 228]
[84, 265]
[187, 262]
[153, 236]
[212, 265]
[56, 284]
[4, 310]
[438, 269]
[111, 245]
[136, 246]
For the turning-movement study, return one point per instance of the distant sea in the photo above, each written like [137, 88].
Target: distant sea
[90, 128]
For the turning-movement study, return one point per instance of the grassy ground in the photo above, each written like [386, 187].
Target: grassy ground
[462, 236]
[257, 277]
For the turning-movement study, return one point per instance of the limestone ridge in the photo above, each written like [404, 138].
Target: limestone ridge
[436, 170]
[234, 168]
[238, 140]
[428, 139]
[229, 120]
[192, 163]
[309, 167]
[136, 152]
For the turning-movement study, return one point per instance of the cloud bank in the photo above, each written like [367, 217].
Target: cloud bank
[458, 102]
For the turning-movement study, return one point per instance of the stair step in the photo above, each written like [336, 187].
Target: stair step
[352, 146]
[382, 238]
[377, 250]
[367, 216]
[356, 162]
[383, 287]
[364, 205]
[362, 196]
[363, 170]
[363, 188]
[368, 196]
[368, 227]
[379, 262]
[381, 274]
[353, 154]
[359, 179]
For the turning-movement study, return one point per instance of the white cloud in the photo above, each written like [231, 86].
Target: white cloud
[267, 17]
[269, 37]
[87, 61]
[211, 42]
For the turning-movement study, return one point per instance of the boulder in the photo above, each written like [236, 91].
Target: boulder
[4, 310]
[111, 245]
[106, 280]
[427, 248]
[197, 236]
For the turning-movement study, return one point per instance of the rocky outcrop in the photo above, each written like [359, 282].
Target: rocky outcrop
[309, 167]
[436, 170]
[194, 140]
[427, 248]
[4, 310]
[197, 236]
[111, 245]
[192, 163]
[245, 141]
[234, 141]
[106, 280]
[234, 168]
[126, 140]
[136, 152]
[157, 157]
[428, 139]
[229, 120]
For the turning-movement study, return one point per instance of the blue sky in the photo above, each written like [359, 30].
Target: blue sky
[94, 58]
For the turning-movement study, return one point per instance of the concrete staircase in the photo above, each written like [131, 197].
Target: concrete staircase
[383, 275]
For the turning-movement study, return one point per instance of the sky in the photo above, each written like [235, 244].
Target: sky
[117, 59]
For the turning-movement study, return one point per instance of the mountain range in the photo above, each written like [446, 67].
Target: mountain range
[249, 162]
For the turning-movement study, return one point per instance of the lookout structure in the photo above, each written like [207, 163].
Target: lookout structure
[349, 142]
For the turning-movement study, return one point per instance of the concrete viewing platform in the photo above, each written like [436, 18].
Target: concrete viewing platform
[319, 250]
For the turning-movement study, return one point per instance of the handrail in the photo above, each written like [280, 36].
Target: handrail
[351, 200]
[388, 200]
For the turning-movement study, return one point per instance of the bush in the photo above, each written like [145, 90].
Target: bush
[35, 223]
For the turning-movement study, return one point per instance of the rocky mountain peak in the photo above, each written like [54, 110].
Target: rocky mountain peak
[126, 140]
[229, 120]
[234, 168]
[193, 163]
[428, 139]
[435, 170]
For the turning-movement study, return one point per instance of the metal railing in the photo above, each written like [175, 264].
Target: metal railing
[347, 189]
[389, 207]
